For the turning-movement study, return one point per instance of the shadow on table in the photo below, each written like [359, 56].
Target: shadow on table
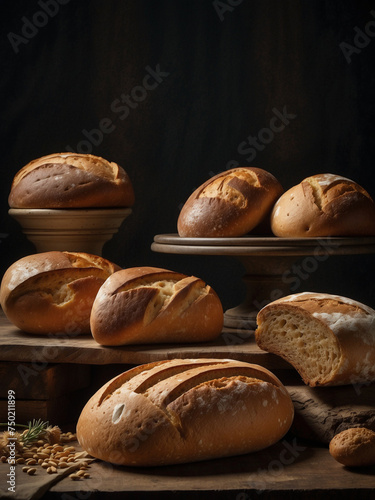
[275, 460]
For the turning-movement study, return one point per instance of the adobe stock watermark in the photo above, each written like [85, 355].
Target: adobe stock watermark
[358, 385]
[288, 455]
[302, 271]
[255, 143]
[12, 441]
[132, 443]
[30, 27]
[144, 432]
[50, 351]
[361, 39]
[3, 236]
[222, 7]
[91, 487]
[121, 107]
[293, 277]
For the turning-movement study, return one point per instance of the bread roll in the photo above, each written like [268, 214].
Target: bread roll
[324, 205]
[180, 411]
[143, 305]
[354, 447]
[229, 204]
[71, 180]
[329, 339]
[53, 292]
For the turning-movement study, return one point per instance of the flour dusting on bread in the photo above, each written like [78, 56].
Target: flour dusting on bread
[329, 339]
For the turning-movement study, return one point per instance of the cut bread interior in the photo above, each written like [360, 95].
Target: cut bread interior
[305, 342]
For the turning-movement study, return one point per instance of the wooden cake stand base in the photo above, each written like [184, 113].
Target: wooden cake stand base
[267, 262]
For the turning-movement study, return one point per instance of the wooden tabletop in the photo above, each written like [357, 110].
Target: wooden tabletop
[19, 346]
[290, 469]
[293, 468]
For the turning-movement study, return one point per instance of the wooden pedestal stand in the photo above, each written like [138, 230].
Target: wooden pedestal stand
[268, 264]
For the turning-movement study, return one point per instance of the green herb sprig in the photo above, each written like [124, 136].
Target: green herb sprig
[35, 429]
[33, 432]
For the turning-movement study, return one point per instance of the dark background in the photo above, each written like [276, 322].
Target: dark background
[229, 64]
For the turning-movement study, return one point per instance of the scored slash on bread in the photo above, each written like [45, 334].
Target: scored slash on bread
[328, 339]
[324, 205]
[71, 180]
[186, 410]
[152, 305]
[230, 204]
[53, 292]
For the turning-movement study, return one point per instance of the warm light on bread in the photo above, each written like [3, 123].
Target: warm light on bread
[180, 411]
[53, 292]
[329, 339]
[71, 180]
[151, 305]
[324, 205]
[229, 204]
[354, 447]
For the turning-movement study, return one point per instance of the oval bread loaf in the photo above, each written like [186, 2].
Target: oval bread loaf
[354, 447]
[143, 305]
[230, 204]
[180, 411]
[71, 180]
[53, 292]
[329, 339]
[324, 205]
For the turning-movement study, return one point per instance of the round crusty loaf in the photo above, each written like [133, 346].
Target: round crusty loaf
[229, 204]
[329, 339]
[324, 205]
[180, 411]
[354, 447]
[53, 292]
[71, 180]
[143, 305]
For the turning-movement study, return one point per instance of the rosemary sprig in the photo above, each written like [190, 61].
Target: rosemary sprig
[35, 429]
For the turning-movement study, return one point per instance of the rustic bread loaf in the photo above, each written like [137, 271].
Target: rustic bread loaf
[324, 205]
[53, 292]
[229, 204]
[329, 339]
[143, 305]
[180, 411]
[71, 180]
[354, 447]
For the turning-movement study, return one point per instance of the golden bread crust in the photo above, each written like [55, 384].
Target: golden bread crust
[180, 411]
[329, 339]
[71, 180]
[53, 292]
[324, 205]
[152, 305]
[229, 204]
[354, 447]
